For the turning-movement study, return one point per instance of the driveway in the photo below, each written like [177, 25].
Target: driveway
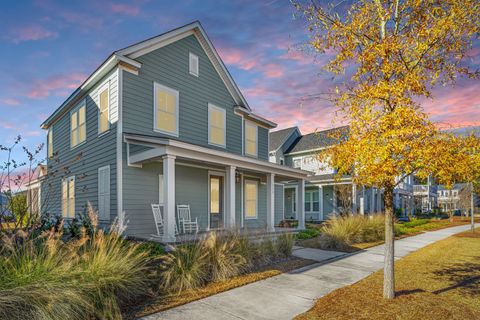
[289, 294]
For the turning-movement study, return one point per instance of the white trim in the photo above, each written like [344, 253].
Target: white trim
[103, 87]
[158, 86]
[186, 150]
[246, 181]
[68, 179]
[193, 57]
[218, 174]
[242, 218]
[224, 112]
[119, 142]
[82, 103]
[307, 151]
[50, 147]
[251, 124]
[261, 122]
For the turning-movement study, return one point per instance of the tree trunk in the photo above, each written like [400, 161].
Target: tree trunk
[388, 269]
[472, 208]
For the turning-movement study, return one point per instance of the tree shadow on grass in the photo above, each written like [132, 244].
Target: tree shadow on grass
[408, 292]
[462, 275]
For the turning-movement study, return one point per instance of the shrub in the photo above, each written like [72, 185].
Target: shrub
[152, 249]
[285, 244]
[223, 259]
[308, 233]
[184, 268]
[415, 222]
[43, 277]
[341, 232]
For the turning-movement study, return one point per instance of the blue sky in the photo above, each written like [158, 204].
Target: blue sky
[49, 47]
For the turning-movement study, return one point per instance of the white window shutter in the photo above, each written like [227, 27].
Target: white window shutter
[104, 193]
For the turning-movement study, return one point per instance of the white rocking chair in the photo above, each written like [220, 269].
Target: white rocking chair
[157, 216]
[185, 220]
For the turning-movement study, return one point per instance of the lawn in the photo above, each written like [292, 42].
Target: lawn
[440, 281]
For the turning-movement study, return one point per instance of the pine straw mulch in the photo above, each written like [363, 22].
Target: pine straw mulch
[438, 282]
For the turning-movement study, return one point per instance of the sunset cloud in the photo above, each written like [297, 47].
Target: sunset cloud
[126, 9]
[9, 102]
[31, 33]
[43, 88]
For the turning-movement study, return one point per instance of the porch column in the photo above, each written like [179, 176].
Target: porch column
[362, 202]
[354, 198]
[230, 197]
[320, 199]
[372, 201]
[301, 204]
[169, 198]
[270, 202]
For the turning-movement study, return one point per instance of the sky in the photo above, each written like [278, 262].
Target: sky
[47, 49]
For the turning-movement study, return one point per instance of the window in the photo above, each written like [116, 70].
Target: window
[103, 115]
[251, 197]
[193, 64]
[311, 201]
[104, 193]
[282, 161]
[165, 110]
[250, 139]
[216, 125]
[50, 143]
[68, 197]
[78, 125]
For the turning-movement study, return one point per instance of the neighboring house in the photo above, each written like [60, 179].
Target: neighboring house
[324, 195]
[162, 121]
[425, 194]
[449, 199]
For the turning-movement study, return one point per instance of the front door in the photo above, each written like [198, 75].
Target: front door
[216, 201]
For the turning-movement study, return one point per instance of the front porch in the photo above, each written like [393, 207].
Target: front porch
[225, 191]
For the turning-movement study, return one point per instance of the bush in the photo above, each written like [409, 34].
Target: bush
[342, 232]
[308, 233]
[152, 249]
[184, 268]
[285, 244]
[43, 277]
[415, 223]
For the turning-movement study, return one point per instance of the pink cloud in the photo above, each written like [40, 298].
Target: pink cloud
[31, 33]
[273, 70]
[237, 58]
[10, 102]
[6, 124]
[55, 84]
[126, 9]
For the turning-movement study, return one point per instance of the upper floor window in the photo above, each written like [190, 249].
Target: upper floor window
[216, 125]
[165, 102]
[50, 143]
[193, 64]
[251, 138]
[68, 197]
[78, 130]
[297, 163]
[282, 161]
[103, 106]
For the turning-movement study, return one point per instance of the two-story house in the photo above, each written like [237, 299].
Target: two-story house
[425, 194]
[162, 121]
[324, 195]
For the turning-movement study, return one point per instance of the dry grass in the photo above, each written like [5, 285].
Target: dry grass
[166, 302]
[440, 281]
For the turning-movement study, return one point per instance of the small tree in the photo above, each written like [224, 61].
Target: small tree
[394, 52]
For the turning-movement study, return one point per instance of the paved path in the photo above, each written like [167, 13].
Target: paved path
[289, 294]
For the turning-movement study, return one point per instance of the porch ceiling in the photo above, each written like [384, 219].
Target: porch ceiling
[182, 150]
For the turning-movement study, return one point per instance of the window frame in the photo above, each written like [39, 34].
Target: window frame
[100, 194]
[176, 93]
[311, 194]
[50, 143]
[224, 112]
[104, 87]
[254, 182]
[82, 104]
[193, 56]
[251, 124]
[66, 214]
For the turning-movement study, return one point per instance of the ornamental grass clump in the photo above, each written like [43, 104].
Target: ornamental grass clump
[342, 232]
[44, 277]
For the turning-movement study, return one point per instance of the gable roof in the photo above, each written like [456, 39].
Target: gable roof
[318, 140]
[126, 57]
[278, 138]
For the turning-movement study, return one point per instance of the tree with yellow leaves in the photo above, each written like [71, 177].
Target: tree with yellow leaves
[393, 53]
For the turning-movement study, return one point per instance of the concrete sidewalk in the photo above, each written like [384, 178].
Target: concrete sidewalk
[289, 294]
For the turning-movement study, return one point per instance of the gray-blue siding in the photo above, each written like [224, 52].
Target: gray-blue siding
[82, 161]
[169, 66]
